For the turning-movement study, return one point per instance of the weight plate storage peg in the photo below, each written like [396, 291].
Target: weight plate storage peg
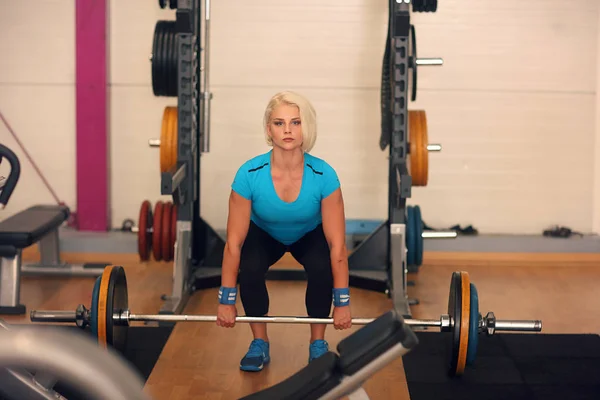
[109, 317]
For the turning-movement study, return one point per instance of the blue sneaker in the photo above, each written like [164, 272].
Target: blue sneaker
[317, 349]
[256, 357]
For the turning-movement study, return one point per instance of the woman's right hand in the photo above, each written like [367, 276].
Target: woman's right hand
[226, 315]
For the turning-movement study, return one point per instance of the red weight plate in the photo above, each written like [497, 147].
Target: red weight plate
[144, 233]
[157, 231]
[173, 229]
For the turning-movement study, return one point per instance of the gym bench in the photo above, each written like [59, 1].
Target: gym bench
[37, 224]
[361, 355]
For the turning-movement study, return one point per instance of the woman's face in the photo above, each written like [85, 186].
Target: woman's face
[285, 128]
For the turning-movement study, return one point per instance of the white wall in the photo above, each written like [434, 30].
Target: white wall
[514, 106]
[596, 184]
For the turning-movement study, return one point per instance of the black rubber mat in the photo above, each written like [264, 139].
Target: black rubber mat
[508, 366]
[144, 345]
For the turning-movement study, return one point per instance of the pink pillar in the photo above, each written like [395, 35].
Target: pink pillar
[91, 63]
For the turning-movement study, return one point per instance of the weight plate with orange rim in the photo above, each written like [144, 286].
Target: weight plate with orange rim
[144, 230]
[168, 139]
[112, 300]
[419, 155]
[459, 310]
[173, 229]
[166, 231]
[157, 231]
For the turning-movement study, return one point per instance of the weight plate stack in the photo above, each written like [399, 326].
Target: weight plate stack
[164, 59]
[424, 5]
[157, 231]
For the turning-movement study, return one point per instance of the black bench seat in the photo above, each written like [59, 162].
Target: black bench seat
[355, 352]
[27, 227]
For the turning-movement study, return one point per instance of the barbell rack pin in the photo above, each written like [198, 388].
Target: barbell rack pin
[430, 61]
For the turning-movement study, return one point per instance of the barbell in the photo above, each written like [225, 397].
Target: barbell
[109, 317]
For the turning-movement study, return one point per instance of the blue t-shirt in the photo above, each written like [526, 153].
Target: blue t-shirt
[286, 222]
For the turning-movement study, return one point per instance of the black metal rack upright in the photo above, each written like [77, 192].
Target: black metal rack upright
[199, 249]
[379, 262]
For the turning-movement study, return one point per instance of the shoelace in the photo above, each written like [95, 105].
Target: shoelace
[319, 346]
[255, 349]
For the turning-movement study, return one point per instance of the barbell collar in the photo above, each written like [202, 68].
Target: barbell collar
[430, 61]
[53, 316]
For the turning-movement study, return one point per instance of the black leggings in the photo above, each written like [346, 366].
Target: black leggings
[260, 250]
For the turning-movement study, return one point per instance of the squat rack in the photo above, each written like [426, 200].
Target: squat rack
[379, 262]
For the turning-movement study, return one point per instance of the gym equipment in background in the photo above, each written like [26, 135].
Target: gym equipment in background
[8, 184]
[62, 358]
[36, 224]
[109, 317]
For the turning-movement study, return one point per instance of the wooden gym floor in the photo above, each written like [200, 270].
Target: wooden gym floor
[200, 360]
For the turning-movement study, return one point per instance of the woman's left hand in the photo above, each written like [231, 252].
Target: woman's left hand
[342, 318]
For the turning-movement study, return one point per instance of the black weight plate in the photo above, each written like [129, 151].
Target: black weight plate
[173, 60]
[170, 65]
[167, 59]
[162, 3]
[117, 301]
[155, 57]
[173, 4]
[158, 78]
[413, 56]
[418, 223]
[164, 59]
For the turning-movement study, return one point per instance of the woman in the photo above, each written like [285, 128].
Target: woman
[285, 200]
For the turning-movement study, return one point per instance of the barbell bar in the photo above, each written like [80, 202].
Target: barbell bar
[488, 324]
[109, 317]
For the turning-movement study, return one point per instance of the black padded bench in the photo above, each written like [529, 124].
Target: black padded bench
[361, 355]
[36, 224]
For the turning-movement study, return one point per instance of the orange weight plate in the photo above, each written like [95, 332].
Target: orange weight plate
[144, 232]
[157, 231]
[112, 299]
[168, 139]
[459, 309]
[166, 231]
[103, 306]
[419, 155]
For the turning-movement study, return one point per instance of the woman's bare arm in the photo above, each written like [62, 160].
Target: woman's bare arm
[238, 222]
[334, 227]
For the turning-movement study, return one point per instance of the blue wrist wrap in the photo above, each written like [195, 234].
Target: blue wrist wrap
[227, 295]
[341, 297]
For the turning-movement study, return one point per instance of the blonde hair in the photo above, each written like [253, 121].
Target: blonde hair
[308, 117]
